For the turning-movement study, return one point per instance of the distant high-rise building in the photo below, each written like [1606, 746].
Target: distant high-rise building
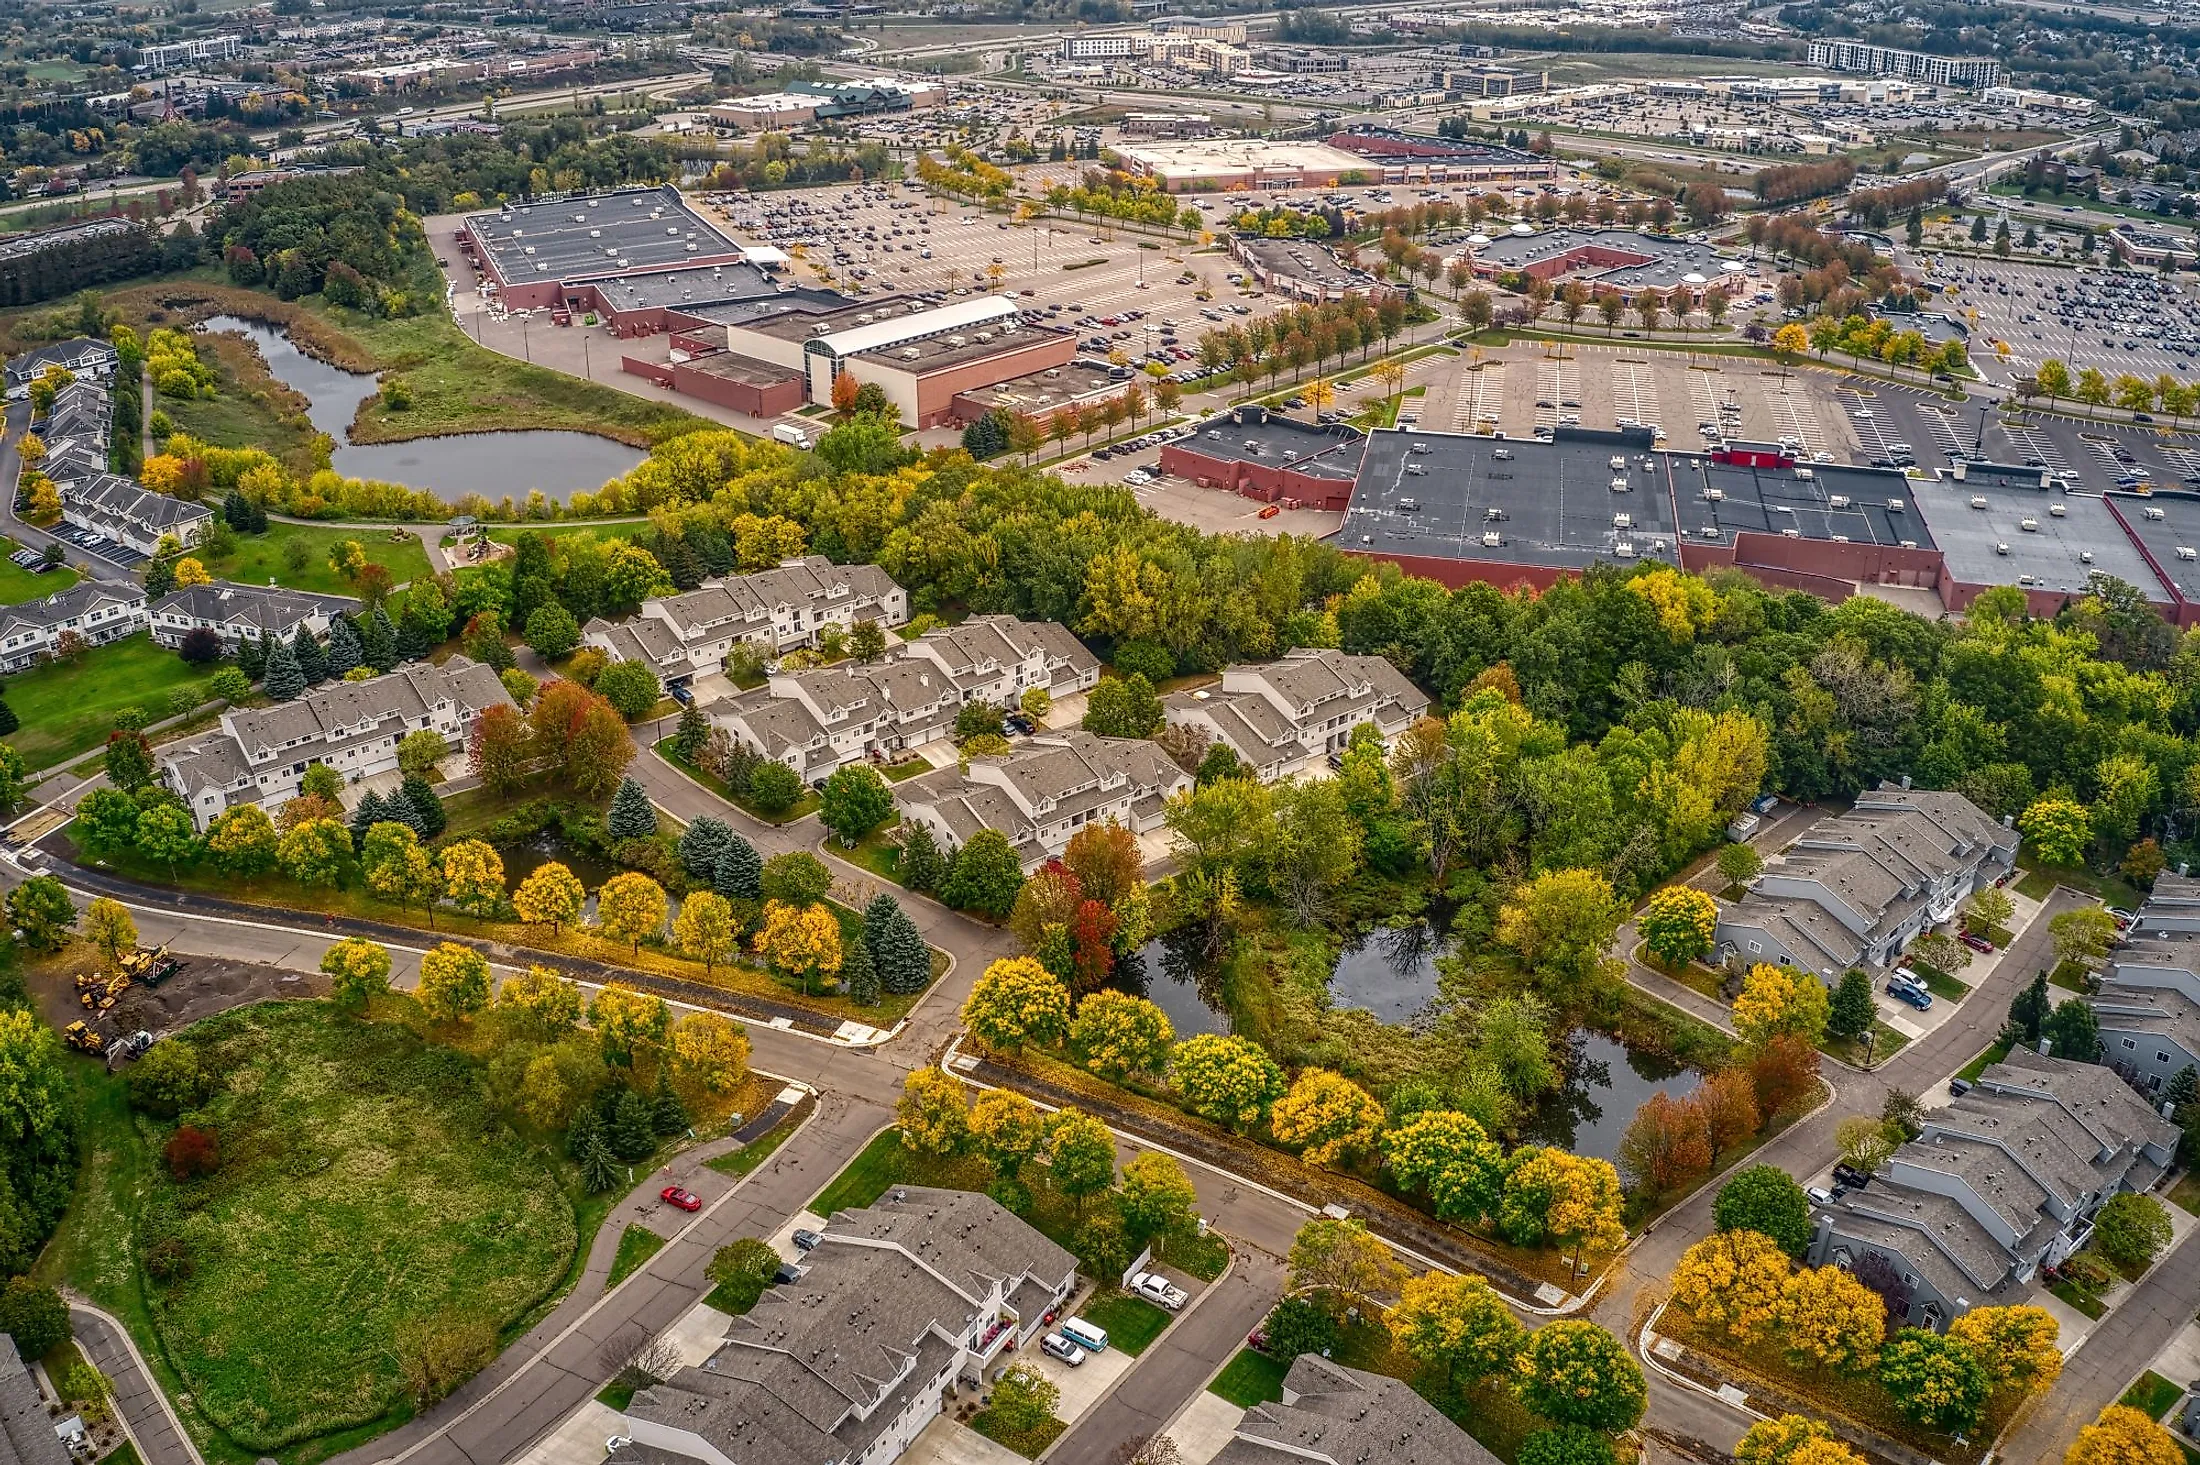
[1962, 71]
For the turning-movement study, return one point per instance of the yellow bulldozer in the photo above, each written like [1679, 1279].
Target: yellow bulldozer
[84, 1039]
[100, 994]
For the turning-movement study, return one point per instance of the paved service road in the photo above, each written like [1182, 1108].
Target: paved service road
[144, 1409]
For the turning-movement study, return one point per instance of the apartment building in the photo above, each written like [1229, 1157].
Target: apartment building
[1857, 890]
[131, 515]
[260, 755]
[1954, 71]
[1289, 716]
[81, 356]
[2149, 1001]
[850, 1362]
[1331, 1414]
[816, 721]
[780, 609]
[1045, 790]
[93, 610]
[2004, 1181]
[239, 613]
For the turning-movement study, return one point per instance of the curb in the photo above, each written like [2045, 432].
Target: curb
[79, 1303]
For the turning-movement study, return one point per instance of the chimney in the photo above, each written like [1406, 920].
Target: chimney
[1905, 780]
[2047, 1046]
[2008, 821]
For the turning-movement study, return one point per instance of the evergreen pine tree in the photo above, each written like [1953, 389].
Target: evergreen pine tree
[369, 811]
[883, 908]
[399, 808]
[633, 1134]
[922, 866]
[694, 731]
[702, 844]
[284, 682]
[378, 640]
[412, 641]
[9, 722]
[859, 976]
[665, 1114]
[252, 657]
[312, 662]
[587, 1126]
[599, 1170]
[740, 872]
[429, 818]
[632, 815]
[904, 964]
[343, 651]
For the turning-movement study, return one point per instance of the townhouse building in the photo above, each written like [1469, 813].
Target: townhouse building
[260, 755]
[239, 613]
[780, 609]
[2149, 1000]
[81, 357]
[2001, 1183]
[29, 1434]
[94, 610]
[816, 721]
[1045, 790]
[130, 514]
[1290, 716]
[1333, 1414]
[850, 1362]
[1856, 890]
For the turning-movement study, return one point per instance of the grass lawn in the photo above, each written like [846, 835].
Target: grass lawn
[2069, 975]
[2039, 881]
[1940, 984]
[1886, 1042]
[637, 1244]
[1030, 1444]
[263, 557]
[620, 529]
[756, 1152]
[1970, 1071]
[805, 805]
[67, 710]
[2152, 1395]
[878, 853]
[2079, 1298]
[618, 1396]
[1131, 1323]
[18, 584]
[2186, 1192]
[1251, 1378]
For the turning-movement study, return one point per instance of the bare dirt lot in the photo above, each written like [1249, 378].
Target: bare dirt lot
[205, 986]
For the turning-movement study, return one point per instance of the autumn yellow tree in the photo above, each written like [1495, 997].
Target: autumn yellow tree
[1829, 1317]
[551, 896]
[802, 941]
[710, 1053]
[1330, 1115]
[1793, 1439]
[541, 1000]
[1017, 1002]
[934, 1113]
[626, 1021]
[1733, 1281]
[454, 982]
[1778, 1000]
[190, 572]
[2124, 1436]
[631, 908]
[473, 877]
[1585, 1200]
[2015, 1345]
[706, 930]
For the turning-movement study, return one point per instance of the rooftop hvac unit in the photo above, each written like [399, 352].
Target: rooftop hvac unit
[1619, 485]
[2152, 513]
[2029, 526]
[2024, 579]
[1492, 539]
[1624, 549]
[958, 340]
[1840, 539]
[1623, 521]
[595, 233]
[1837, 501]
[2085, 556]
[1709, 531]
[1493, 515]
[1896, 506]
[2186, 552]
[530, 249]
[1791, 534]
[1978, 501]
[1715, 495]
[674, 231]
[865, 319]
[2057, 510]
[691, 249]
[1619, 460]
[2001, 548]
[910, 353]
[985, 335]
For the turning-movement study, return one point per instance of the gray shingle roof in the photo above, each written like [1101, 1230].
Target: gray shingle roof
[266, 609]
[79, 599]
[1347, 1416]
[26, 1430]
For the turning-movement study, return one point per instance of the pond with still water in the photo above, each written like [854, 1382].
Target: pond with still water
[492, 464]
[523, 860]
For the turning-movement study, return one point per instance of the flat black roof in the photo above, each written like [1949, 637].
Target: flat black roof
[2178, 527]
[1554, 504]
[601, 234]
[1279, 442]
[1775, 500]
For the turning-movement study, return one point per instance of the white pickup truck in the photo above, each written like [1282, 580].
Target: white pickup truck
[1159, 1291]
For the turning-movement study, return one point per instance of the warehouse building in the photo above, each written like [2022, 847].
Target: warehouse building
[2004, 526]
[1275, 459]
[2165, 529]
[1440, 159]
[533, 255]
[1225, 165]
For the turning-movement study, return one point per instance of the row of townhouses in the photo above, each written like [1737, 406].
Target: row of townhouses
[782, 609]
[1292, 716]
[1856, 890]
[850, 1362]
[101, 611]
[260, 755]
[75, 432]
[1045, 790]
[80, 356]
[2149, 1001]
[820, 720]
[2003, 1182]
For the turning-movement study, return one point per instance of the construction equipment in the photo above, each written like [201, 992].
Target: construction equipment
[101, 995]
[133, 1046]
[150, 967]
[83, 1039]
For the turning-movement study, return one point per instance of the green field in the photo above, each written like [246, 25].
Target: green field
[18, 585]
[1251, 1378]
[260, 558]
[68, 709]
[368, 1192]
[1131, 1323]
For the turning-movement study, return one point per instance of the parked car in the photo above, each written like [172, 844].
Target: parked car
[1057, 1346]
[1848, 1175]
[686, 1200]
[2124, 918]
[1158, 1290]
[1819, 1195]
[804, 1240]
[1903, 990]
[1958, 1087]
[1764, 804]
[1976, 943]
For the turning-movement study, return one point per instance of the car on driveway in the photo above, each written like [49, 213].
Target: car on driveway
[2124, 918]
[1057, 1346]
[1848, 1175]
[686, 1200]
[1159, 1290]
[1902, 989]
[805, 1240]
[1976, 943]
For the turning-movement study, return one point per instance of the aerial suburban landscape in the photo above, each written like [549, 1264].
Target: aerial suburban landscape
[1348, 734]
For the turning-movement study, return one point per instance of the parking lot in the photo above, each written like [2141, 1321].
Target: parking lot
[119, 555]
[2088, 455]
[2114, 321]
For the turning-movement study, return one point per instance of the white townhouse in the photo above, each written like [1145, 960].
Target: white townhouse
[1045, 790]
[818, 720]
[847, 1364]
[239, 613]
[260, 755]
[1291, 716]
[780, 609]
[130, 514]
[81, 357]
[96, 610]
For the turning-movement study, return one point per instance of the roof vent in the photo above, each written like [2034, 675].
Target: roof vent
[1715, 495]
[1978, 501]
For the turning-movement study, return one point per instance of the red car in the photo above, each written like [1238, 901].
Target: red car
[1976, 943]
[686, 1200]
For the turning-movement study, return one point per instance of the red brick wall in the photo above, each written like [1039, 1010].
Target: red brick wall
[1270, 483]
[769, 399]
[936, 390]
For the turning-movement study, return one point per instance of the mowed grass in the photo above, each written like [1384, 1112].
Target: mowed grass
[260, 558]
[1251, 1378]
[68, 709]
[1131, 1323]
[18, 584]
[367, 1188]
[2152, 1395]
[637, 1244]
